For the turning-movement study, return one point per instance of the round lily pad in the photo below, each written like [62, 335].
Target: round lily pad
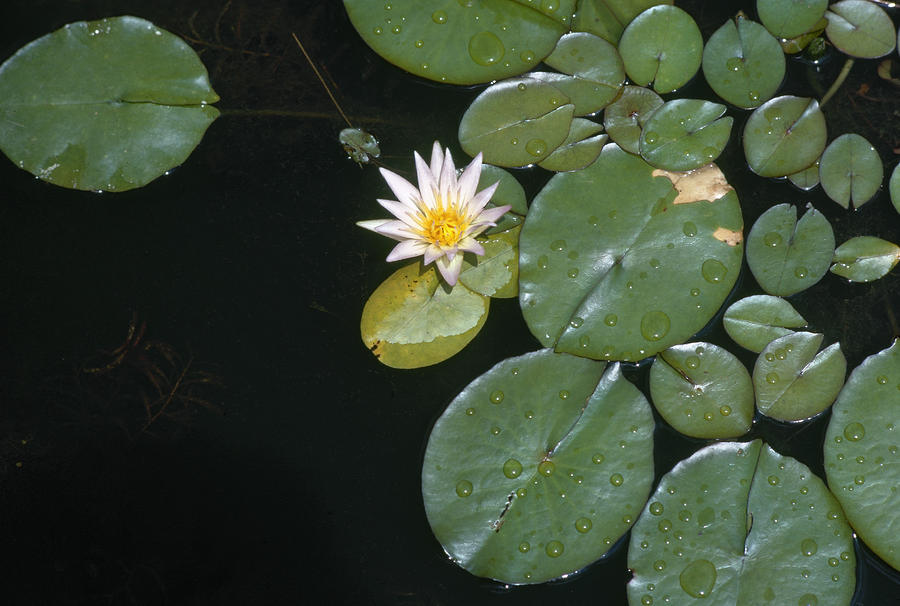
[509, 191]
[458, 42]
[792, 381]
[104, 105]
[594, 62]
[754, 322]
[516, 122]
[608, 18]
[865, 258]
[787, 255]
[807, 178]
[861, 452]
[685, 134]
[413, 319]
[784, 135]
[741, 524]
[894, 186]
[496, 273]
[537, 467]
[625, 117]
[743, 63]
[580, 148]
[850, 170]
[588, 98]
[702, 390]
[790, 18]
[860, 29]
[662, 45]
[619, 260]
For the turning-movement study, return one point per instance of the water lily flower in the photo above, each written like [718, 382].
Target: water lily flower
[440, 219]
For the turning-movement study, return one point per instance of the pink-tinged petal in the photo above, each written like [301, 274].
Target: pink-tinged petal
[403, 189]
[400, 210]
[407, 249]
[468, 181]
[450, 268]
[373, 224]
[491, 215]
[397, 230]
[482, 198]
[427, 182]
[471, 245]
[437, 159]
[432, 252]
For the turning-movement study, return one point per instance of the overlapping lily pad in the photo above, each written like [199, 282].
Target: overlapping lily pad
[860, 29]
[496, 273]
[743, 63]
[594, 62]
[580, 148]
[104, 105]
[685, 134]
[787, 255]
[850, 170]
[516, 122]
[662, 45]
[608, 18]
[459, 42]
[509, 191]
[702, 390]
[784, 135]
[741, 524]
[625, 117]
[754, 322]
[894, 185]
[413, 319]
[861, 452]
[790, 18]
[807, 178]
[792, 381]
[620, 260]
[865, 258]
[538, 467]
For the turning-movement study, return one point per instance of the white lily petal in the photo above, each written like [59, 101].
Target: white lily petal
[448, 178]
[407, 249]
[468, 181]
[397, 230]
[403, 189]
[471, 245]
[491, 215]
[437, 159]
[399, 210]
[427, 182]
[450, 268]
[477, 203]
[431, 253]
[373, 224]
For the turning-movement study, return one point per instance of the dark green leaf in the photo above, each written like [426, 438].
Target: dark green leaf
[496, 273]
[865, 258]
[509, 191]
[685, 134]
[594, 62]
[860, 29]
[580, 148]
[608, 18]
[850, 170]
[754, 322]
[625, 117]
[790, 18]
[784, 136]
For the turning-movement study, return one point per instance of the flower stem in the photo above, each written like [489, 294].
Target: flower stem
[845, 71]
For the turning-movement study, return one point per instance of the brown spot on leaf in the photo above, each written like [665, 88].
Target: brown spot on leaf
[704, 183]
[728, 236]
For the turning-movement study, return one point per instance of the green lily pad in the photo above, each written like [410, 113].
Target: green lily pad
[790, 18]
[496, 273]
[861, 445]
[537, 467]
[784, 135]
[516, 122]
[104, 105]
[741, 524]
[459, 42]
[685, 134]
[894, 187]
[593, 62]
[509, 191]
[662, 45]
[580, 148]
[619, 260]
[608, 18]
[625, 116]
[413, 319]
[792, 382]
[865, 258]
[860, 29]
[587, 98]
[807, 178]
[743, 63]
[702, 390]
[850, 170]
[811, 40]
[787, 255]
[561, 10]
[754, 322]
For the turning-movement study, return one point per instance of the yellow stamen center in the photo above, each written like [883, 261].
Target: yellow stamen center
[444, 226]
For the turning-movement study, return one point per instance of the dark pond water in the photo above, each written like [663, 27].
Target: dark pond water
[288, 467]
